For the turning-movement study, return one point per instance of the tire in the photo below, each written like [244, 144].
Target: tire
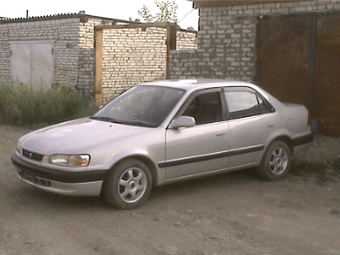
[276, 161]
[128, 185]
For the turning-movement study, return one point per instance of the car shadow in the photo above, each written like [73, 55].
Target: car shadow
[27, 196]
[205, 184]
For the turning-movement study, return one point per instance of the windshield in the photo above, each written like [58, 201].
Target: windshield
[141, 106]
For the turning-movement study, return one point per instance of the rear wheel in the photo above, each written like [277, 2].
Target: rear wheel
[276, 161]
[127, 185]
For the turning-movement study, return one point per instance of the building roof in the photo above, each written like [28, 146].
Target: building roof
[217, 3]
[81, 15]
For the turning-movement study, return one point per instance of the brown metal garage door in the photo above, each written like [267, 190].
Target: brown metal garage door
[326, 92]
[298, 62]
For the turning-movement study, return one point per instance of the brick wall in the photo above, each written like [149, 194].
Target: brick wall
[64, 34]
[85, 81]
[226, 39]
[135, 55]
[5, 71]
[130, 56]
[72, 48]
[186, 40]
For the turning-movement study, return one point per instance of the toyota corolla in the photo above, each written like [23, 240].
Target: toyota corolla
[162, 132]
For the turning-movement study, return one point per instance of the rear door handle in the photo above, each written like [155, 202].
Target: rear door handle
[221, 134]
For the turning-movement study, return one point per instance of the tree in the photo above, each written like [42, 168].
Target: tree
[167, 12]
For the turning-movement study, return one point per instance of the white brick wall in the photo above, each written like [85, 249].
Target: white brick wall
[130, 56]
[86, 56]
[67, 48]
[133, 55]
[186, 40]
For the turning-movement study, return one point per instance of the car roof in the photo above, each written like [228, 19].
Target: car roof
[191, 85]
[194, 84]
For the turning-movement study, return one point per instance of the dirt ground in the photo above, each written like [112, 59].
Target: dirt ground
[234, 213]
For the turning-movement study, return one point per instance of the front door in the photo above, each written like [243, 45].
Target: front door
[202, 148]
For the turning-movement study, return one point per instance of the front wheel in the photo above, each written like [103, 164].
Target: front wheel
[276, 161]
[127, 185]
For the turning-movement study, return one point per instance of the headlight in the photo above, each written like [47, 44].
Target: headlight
[69, 160]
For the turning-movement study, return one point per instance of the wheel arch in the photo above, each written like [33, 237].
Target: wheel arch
[147, 161]
[287, 140]
[280, 161]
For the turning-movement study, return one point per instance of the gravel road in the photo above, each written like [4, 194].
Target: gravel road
[234, 213]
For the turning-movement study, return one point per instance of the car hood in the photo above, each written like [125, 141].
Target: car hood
[78, 136]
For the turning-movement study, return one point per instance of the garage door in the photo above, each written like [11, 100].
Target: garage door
[284, 58]
[298, 62]
[326, 93]
[32, 62]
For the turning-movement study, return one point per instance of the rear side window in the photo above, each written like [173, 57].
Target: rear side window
[245, 102]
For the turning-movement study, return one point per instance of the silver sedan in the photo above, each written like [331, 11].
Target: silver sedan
[163, 132]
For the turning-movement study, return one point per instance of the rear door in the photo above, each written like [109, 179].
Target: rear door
[204, 147]
[251, 119]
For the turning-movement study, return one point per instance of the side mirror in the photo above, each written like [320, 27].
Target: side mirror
[183, 122]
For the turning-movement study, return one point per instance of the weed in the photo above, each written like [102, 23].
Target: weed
[36, 105]
[324, 172]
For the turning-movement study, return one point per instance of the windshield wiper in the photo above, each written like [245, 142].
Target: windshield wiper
[133, 122]
[140, 123]
[108, 119]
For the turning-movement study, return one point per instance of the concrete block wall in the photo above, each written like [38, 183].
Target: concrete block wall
[226, 39]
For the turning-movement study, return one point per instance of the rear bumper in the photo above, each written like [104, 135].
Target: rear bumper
[85, 183]
[301, 143]
[301, 140]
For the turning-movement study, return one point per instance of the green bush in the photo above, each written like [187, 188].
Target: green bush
[36, 105]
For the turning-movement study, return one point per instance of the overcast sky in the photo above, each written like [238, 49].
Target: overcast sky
[119, 9]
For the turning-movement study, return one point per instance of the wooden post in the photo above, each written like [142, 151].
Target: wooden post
[98, 72]
[171, 41]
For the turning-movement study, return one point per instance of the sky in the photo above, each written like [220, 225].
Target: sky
[118, 9]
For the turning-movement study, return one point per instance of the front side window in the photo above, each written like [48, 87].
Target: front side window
[245, 102]
[205, 108]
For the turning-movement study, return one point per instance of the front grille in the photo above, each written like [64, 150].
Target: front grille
[32, 155]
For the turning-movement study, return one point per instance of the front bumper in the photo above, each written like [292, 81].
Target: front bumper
[85, 183]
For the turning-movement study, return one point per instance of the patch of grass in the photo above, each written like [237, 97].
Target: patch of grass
[335, 165]
[324, 172]
[35, 105]
[334, 211]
